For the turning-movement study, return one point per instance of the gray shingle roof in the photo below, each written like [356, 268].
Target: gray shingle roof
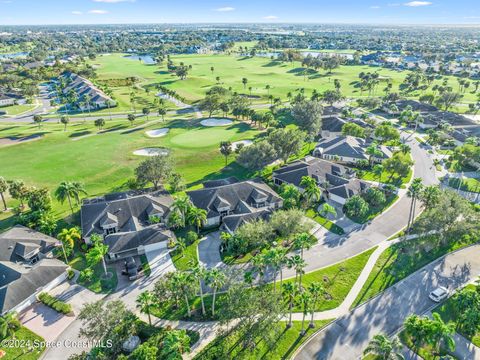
[28, 238]
[131, 240]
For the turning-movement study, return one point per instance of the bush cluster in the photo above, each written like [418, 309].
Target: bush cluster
[54, 303]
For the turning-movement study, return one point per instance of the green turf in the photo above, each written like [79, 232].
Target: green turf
[30, 346]
[467, 184]
[327, 224]
[188, 259]
[17, 109]
[285, 344]
[96, 284]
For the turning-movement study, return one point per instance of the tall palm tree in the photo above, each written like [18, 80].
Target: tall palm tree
[145, 302]
[197, 217]
[442, 334]
[182, 204]
[200, 273]
[311, 190]
[69, 237]
[77, 189]
[96, 254]
[304, 301]
[216, 280]
[65, 192]
[303, 241]
[384, 348]
[9, 323]
[372, 152]
[297, 263]
[183, 284]
[175, 343]
[414, 191]
[290, 292]
[377, 171]
[316, 290]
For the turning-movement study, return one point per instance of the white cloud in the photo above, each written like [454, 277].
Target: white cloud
[375, 7]
[98, 12]
[417, 3]
[113, 1]
[270, 17]
[225, 9]
[76, 12]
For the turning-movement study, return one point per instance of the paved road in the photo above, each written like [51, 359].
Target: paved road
[348, 336]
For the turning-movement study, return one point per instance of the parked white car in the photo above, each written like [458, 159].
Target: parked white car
[438, 294]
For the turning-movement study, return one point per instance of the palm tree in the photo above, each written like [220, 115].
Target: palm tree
[304, 301]
[244, 82]
[181, 245]
[77, 189]
[378, 171]
[199, 273]
[38, 119]
[414, 191]
[442, 334]
[311, 190]
[182, 204]
[316, 290]
[297, 263]
[183, 283]
[430, 196]
[97, 253]
[290, 293]
[162, 112]
[216, 280]
[3, 188]
[328, 209]
[69, 237]
[145, 302]
[8, 325]
[303, 241]
[383, 348]
[65, 192]
[268, 89]
[197, 217]
[372, 152]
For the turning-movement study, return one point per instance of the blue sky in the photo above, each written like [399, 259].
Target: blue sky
[186, 11]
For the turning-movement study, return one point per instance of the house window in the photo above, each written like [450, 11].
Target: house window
[110, 231]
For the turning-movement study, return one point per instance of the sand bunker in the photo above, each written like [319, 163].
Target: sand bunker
[215, 122]
[244, 142]
[13, 140]
[157, 132]
[151, 152]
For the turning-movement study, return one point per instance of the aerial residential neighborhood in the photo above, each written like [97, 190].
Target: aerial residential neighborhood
[239, 180]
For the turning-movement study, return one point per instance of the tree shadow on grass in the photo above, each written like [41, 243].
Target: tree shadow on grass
[79, 133]
[272, 64]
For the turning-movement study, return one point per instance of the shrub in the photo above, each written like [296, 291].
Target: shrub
[356, 207]
[54, 303]
[191, 237]
[70, 274]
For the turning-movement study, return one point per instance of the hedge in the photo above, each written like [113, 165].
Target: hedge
[54, 303]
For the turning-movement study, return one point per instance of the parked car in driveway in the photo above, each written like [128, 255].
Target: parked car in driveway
[438, 294]
[131, 268]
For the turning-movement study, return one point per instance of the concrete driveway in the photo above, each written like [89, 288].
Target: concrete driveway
[349, 335]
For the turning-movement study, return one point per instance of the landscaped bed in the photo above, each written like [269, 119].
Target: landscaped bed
[465, 184]
[327, 224]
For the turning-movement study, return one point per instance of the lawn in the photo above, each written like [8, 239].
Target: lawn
[401, 260]
[285, 344]
[386, 177]
[30, 351]
[466, 184]
[188, 259]
[448, 312]
[56, 157]
[97, 284]
[327, 224]
[17, 109]
[259, 71]
[337, 280]
[426, 352]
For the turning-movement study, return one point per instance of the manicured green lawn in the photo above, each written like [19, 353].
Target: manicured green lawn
[327, 224]
[426, 352]
[386, 178]
[286, 342]
[467, 184]
[448, 312]
[337, 280]
[105, 161]
[231, 260]
[23, 353]
[17, 109]
[188, 259]
[97, 284]
[399, 261]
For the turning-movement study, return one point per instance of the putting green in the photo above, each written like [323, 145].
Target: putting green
[204, 137]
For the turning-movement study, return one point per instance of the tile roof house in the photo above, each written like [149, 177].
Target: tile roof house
[239, 199]
[337, 182]
[27, 267]
[124, 220]
[348, 150]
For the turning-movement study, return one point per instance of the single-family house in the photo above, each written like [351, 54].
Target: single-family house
[240, 198]
[348, 150]
[130, 223]
[27, 267]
